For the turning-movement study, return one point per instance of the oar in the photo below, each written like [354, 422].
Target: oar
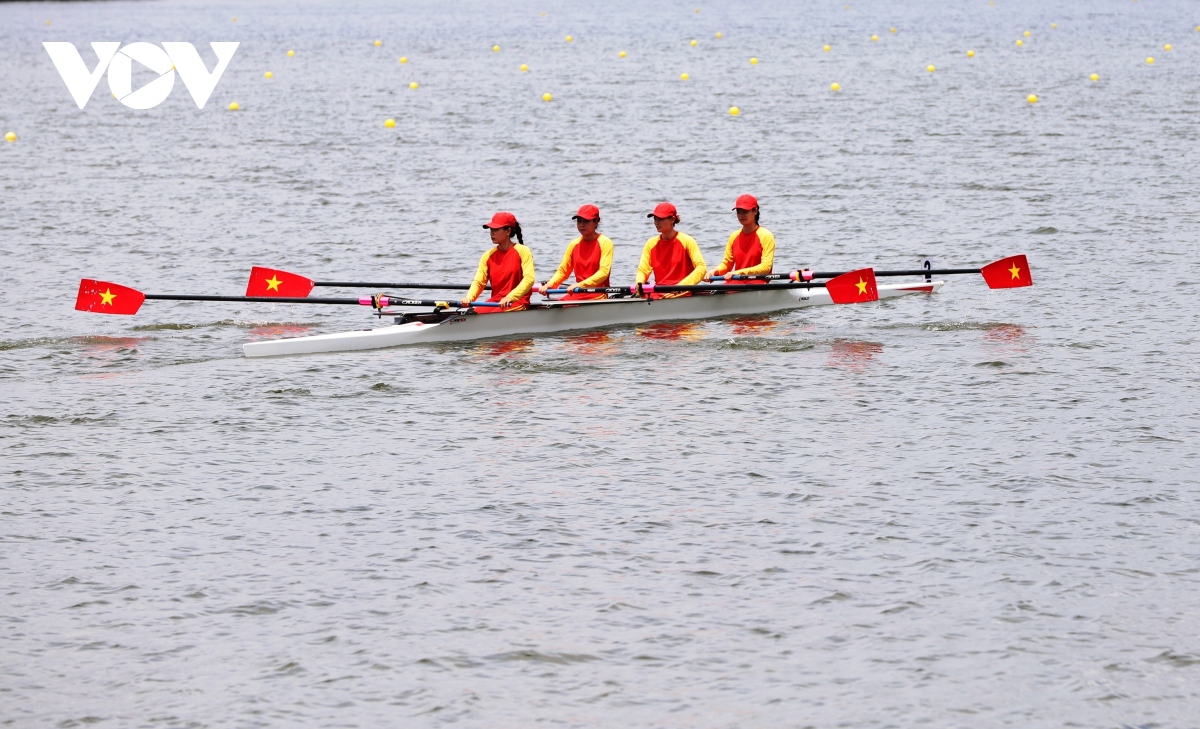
[1007, 273]
[102, 297]
[851, 287]
[274, 282]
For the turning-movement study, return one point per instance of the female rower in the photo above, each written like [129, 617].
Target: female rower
[508, 268]
[750, 250]
[672, 257]
[589, 256]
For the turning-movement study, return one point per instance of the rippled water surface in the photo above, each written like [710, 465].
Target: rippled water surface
[976, 508]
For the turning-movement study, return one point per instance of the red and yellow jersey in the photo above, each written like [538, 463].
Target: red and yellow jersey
[510, 273]
[748, 254]
[672, 262]
[591, 261]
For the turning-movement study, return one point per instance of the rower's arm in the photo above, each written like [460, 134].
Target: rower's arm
[767, 240]
[564, 268]
[727, 260]
[528, 275]
[481, 276]
[601, 275]
[644, 268]
[699, 268]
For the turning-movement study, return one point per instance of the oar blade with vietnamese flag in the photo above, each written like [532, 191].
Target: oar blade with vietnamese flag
[853, 287]
[1008, 273]
[273, 282]
[103, 297]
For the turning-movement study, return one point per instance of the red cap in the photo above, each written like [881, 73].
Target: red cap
[587, 212]
[745, 202]
[663, 210]
[502, 220]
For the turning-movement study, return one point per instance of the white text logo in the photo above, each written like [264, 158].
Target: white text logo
[164, 61]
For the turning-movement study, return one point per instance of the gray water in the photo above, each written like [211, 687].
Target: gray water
[976, 508]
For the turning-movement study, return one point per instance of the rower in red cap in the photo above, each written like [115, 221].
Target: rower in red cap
[508, 268]
[672, 257]
[751, 250]
[589, 256]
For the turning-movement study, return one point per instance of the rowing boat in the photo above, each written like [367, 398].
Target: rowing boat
[548, 317]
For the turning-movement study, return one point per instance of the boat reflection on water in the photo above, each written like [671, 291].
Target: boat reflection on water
[592, 343]
[276, 331]
[751, 325]
[500, 349]
[1004, 333]
[689, 330]
[853, 355]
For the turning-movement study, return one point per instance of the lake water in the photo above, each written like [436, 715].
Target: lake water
[976, 508]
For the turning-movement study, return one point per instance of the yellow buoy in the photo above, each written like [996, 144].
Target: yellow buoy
[1167, 47]
[835, 86]
[1020, 42]
[233, 106]
[547, 97]
[695, 43]
[235, 18]
[970, 54]
[720, 34]
[47, 22]
[1095, 77]
[570, 38]
[495, 49]
[753, 61]
[734, 111]
[891, 30]
[684, 77]
[524, 66]
[10, 137]
[378, 43]
[1054, 25]
[1150, 60]
[621, 54]
[697, 10]
[414, 85]
[1032, 98]
[389, 123]
[930, 68]
[826, 49]
[291, 53]
[1027, 34]
[403, 59]
[874, 38]
[268, 74]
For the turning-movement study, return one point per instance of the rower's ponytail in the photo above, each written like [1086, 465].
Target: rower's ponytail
[516, 230]
[757, 213]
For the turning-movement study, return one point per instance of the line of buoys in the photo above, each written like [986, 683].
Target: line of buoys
[403, 59]
[1150, 61]
[835, 86]
[12, 136]
[720, 34]
[1032, 98]
[1027, 34]
[621, 54]
[1095, 77]
[547, 97]
[874, 38]
[970, 54]
[570, 38]
[695, 43]
[268, 74]
[891, 30]
[826, 49]
[1053, 25]
[524, 67]
[389, 123]
[495, 49]
[233, 106]
[1020, 42]
[684, 76]
[414, 85]
[734, 111]
[753, 61]
[931, 68]
[291, 54]
[1167, 47]
[378, 42]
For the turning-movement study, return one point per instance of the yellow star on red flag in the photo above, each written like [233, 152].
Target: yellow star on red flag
[1016, 272]
[106, 298]
[273, 283]
[862, 286]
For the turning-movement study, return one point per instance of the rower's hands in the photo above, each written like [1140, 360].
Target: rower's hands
[543, 289]
[506, 302]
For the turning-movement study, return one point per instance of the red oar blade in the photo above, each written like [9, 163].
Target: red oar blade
[273, 282]
[853, 287]
[1008, 273]
[103, 297]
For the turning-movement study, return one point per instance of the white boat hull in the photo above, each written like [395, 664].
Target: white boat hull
[610, 313]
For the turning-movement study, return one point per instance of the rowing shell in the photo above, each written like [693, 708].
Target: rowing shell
[551, 317]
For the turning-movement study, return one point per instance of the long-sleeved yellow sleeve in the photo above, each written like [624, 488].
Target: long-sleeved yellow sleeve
[601, 275]
[700, 268]
[564, 268]
[528, 275]
[644, 268]
[481, 277]
[727, 259]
